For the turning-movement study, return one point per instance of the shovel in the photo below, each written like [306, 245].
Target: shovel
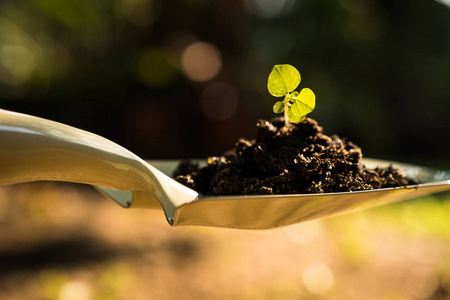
[36, 149]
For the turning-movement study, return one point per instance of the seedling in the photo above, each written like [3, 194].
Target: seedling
[283, 80]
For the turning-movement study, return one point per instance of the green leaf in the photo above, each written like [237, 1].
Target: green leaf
[304, 103]
[278, 107]
[282, 80]
[295, 118]
[292, 96]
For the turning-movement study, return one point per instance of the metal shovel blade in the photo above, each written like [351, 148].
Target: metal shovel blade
[270, 211]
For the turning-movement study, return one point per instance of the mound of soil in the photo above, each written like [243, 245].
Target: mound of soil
[297, 159]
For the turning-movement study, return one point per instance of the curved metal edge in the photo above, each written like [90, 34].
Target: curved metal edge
[266, 212]
[269, 211]
[35, 149]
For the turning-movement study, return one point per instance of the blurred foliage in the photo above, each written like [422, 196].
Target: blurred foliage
[187, 78]
[122, 69]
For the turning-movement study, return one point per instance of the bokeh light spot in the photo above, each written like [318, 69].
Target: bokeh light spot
[155, 69]
[140, 13]
[16, 64]
[305, 233]
[269, 8]
[219, 101]
[201, 61]
[75, 290]
[318, 278]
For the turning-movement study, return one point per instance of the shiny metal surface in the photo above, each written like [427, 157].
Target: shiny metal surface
[33, 149]
[264, 212]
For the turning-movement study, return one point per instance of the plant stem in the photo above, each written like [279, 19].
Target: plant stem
[286, 106]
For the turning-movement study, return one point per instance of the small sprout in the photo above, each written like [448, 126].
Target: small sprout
[283, 80]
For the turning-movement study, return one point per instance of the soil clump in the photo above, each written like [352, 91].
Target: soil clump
[298, 159]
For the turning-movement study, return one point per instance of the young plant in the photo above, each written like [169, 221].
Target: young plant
[283, 80]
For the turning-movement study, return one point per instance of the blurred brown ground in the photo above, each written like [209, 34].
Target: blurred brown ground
[65, 241]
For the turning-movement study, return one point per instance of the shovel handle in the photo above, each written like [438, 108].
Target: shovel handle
[36, 149]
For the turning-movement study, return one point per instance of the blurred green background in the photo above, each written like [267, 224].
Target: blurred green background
[187, 78]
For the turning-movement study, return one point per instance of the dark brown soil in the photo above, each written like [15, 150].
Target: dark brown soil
[297, 159]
